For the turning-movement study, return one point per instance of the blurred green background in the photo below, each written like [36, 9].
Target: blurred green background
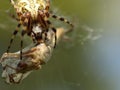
[90, 61]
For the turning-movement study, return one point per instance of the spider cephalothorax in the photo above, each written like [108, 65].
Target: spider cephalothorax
[34, 13]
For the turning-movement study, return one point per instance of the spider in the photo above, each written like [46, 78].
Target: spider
[32, 13]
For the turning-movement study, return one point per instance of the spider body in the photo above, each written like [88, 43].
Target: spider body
[32, 13]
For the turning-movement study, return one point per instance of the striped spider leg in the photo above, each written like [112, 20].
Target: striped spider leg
[63, 20]
[23, 32]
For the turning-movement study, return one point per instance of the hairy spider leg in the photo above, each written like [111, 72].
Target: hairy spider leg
[64, 20]
[13, 35]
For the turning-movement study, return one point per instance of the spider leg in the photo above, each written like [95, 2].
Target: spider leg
[14, 17]
[21, 43]
[12, 38]
[25, 24]
[53, 29]
[64, 20]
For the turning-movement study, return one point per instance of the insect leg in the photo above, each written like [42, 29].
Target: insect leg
[54, 30]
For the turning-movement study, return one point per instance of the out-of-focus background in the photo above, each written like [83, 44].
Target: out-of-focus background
[90, 61]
